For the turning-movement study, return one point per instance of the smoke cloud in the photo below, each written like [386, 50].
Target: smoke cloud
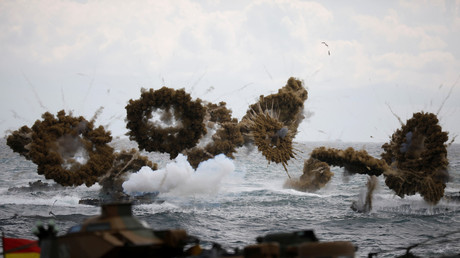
[353, 161]
[417, 155]
[174, 139]
[316, 175]
[179, 177]
[223, 136]
[271, 123]
[414, 161]
[67, 149]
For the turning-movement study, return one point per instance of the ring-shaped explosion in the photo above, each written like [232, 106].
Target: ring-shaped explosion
[67, 149]
[271, 123]
[418, 156]
[272, 138]
[175, 104]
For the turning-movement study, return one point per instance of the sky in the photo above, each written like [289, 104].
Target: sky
[388, 59]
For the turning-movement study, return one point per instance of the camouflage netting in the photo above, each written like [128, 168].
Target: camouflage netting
[418, 156]
[226, 139]
[271, 123]
[125, 161]
[352, 160]
[182, 116]
[67, 149]
[316, 175]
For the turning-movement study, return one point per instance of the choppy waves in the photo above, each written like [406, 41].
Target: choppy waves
[249, 202]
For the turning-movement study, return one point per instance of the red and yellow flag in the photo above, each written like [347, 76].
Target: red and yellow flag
[20, 248]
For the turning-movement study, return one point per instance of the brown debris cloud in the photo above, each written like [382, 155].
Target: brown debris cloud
[417, 154]
[154, 135]
[193, 120]
[19, 140]
[352, 160]
[70, 151]
[288, 103]
[271, 123]
[271, 138]
[414, 161]
[67, 149]
[224, 141]
[316, 174]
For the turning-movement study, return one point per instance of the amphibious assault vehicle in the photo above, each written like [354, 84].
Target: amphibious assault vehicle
[117, 233]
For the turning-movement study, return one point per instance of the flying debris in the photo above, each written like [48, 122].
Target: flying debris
[124, 162]
[414, 161]
[417, 155]
[265, 129]
[223, 136]
[316, 175]
[19, 141]
[271, 123]
[67, 149]
[168, 121]
[178, 124]
[71, 151]
[354, 162]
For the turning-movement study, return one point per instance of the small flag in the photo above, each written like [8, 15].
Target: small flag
[20, 248]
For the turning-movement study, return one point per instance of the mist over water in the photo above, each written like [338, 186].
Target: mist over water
[231, 202]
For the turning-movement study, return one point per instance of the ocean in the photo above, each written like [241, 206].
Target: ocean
[250, 201]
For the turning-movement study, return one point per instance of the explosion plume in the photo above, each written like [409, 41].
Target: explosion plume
[352, 160]
[125, 161]
[19, 140]
[316, 175]
[418, 156]
[182, 116]
[67, 149]
[226, 138]
[271, 137]
[271, 123]
[366, 204]
[414, 161]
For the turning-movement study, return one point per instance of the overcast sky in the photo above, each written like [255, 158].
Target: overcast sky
[81, 55]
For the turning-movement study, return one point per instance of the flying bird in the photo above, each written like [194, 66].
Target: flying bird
[328, 51]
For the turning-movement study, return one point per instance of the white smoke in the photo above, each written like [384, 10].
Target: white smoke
[180, 178]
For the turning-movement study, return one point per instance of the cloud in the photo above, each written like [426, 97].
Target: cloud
[391, 30]
[242, 49]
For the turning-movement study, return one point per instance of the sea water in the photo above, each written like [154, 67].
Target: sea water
[250, 201]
